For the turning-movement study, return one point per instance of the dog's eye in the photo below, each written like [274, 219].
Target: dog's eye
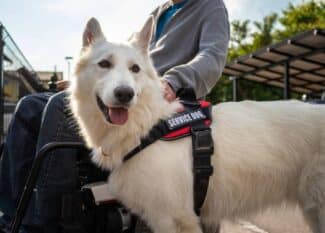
[105, 64]
[135, 68]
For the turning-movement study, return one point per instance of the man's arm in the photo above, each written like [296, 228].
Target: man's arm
[203, 71]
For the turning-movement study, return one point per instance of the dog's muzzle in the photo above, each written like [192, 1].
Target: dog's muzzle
[113, 115]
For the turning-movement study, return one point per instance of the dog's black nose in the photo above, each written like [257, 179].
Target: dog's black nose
[123, 94]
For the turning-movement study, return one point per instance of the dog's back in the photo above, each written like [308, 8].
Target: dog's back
[266, 153]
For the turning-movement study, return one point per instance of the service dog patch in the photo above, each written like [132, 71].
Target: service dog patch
[182, 119]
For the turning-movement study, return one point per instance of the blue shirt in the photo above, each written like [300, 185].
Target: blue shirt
[166, 16]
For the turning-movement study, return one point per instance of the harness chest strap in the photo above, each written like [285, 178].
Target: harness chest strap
[195, 122]
[203, 148]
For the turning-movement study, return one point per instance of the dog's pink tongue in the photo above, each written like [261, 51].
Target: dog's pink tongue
[118, 116]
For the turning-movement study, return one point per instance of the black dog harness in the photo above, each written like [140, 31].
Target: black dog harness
[194, 121]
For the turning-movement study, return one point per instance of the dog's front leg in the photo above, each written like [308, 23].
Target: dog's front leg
[166, 224]
[163, 225]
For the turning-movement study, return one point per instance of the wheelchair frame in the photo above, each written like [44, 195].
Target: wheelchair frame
[33, 175]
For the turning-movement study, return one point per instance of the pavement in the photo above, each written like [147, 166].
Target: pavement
[281, 220]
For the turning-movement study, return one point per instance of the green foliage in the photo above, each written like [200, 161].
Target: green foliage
[264, 34]
[240, 31]
[293, 20]
[222, 92]
[238, 39]
[257, 91]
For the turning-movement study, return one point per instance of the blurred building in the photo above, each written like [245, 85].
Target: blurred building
[46, 76]
[17, 77]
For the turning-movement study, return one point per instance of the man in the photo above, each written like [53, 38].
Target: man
[188, 49]
[189, 44]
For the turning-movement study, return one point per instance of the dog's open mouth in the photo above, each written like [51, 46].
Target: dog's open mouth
[114, 115]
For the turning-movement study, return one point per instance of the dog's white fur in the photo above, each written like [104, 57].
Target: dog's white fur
[265, 153]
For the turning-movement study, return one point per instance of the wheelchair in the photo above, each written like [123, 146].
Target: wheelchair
[81, 210]
[88, 208]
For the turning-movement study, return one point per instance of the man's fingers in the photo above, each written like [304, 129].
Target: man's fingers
[169, 94]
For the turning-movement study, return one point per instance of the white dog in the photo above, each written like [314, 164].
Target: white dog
[265, 153]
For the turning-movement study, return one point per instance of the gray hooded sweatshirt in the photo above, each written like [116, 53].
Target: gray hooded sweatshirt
[192, 48]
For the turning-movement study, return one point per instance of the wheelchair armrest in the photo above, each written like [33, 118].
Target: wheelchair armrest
[100, 192]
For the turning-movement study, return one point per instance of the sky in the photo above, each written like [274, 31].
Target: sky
[47, 31]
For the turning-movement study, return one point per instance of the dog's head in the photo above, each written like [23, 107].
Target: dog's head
[113, 76]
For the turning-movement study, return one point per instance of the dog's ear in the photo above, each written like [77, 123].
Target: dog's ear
[92, 33]
[142, 39]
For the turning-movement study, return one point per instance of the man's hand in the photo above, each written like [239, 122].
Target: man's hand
[62, 85]
[169, 93]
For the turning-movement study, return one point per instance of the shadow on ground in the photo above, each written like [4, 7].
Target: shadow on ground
[282, 220]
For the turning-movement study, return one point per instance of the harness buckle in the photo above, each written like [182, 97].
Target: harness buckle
[202, 141]
[203, 147]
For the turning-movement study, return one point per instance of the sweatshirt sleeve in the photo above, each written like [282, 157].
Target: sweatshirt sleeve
[203, 71]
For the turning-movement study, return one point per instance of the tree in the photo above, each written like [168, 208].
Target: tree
[239, 32]
[239, 39]
[264, 34]
[306, 16]
[293, 20]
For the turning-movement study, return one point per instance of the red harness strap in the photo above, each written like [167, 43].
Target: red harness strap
[182, 132]
[186, 131]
